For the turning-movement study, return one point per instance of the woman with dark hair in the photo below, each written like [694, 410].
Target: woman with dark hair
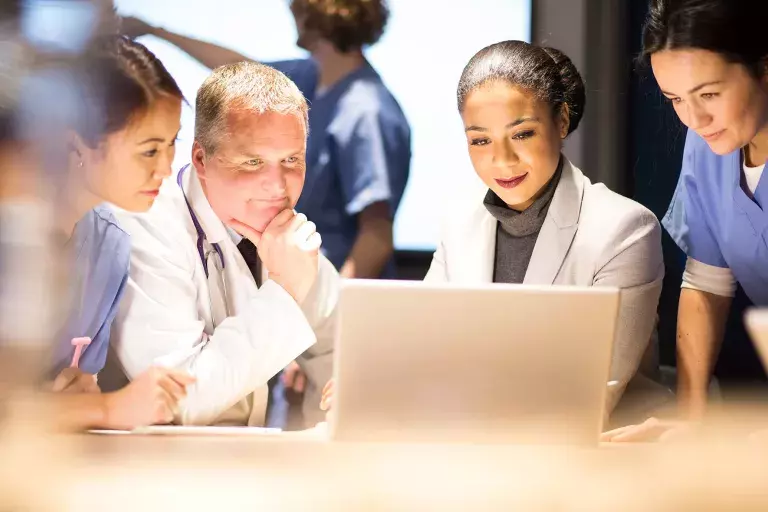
[710, 59]
[120, 148]
[538, 219]
[541, 221]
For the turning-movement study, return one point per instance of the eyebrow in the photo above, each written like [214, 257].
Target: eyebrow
[241, 156]
[695, 89]
[520, 121]
[154, 139]
[158, 139]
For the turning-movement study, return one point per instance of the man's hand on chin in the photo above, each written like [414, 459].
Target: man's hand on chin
[289, 247]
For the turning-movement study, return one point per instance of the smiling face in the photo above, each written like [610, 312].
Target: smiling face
[721, 101]
[128, 166]
[257, 170]
[514, 141]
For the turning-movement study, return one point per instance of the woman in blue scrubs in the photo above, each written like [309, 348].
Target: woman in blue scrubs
[120, 148]
[710, 59]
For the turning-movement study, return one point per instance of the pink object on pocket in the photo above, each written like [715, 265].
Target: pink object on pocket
[79, 344]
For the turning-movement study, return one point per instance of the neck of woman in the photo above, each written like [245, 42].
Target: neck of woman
[75, 201]
[756, 152]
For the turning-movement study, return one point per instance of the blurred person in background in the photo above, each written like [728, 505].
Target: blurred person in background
[540, 220]
[710, 59]
[359, 149]
[59, 161]
[226, 279]
[120, 147]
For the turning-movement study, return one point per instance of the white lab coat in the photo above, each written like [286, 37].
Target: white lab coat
[166, 315]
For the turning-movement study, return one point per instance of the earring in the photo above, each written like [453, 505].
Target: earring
[80, 164]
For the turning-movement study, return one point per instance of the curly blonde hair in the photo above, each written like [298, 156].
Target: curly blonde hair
[348, 24]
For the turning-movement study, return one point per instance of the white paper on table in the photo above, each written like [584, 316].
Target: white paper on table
[174, 430]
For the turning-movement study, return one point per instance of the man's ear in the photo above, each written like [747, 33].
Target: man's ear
[199, 160]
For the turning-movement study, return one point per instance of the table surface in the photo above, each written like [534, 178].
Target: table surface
[300, 473]
[305, 471]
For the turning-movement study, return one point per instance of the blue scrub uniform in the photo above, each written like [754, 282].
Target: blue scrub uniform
[101, 252]
[715, 221]
[358, 153]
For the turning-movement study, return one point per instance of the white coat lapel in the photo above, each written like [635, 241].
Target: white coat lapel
[477, 249]
[559, 228]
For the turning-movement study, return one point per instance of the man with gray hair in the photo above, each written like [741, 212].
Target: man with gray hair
[201, 296]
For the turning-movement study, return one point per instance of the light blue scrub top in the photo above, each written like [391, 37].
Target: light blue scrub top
[713, 220]
[358, 153]
[101, 252]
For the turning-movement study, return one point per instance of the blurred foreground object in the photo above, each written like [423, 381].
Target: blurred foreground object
[38, 40]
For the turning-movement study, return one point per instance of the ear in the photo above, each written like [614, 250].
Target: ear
[199, 159]
[77, 149]
[564, 120]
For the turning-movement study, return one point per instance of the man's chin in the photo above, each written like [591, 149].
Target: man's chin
[260, 227]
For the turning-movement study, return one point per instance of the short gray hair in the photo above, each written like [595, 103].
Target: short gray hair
[246, 85]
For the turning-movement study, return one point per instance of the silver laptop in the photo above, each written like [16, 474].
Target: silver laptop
[757, 326]
[419, 362]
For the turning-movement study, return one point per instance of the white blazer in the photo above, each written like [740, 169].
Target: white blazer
[590, 237]
[171, 316]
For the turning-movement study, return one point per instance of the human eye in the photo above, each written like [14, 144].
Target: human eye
[479, 141]
[524, 135]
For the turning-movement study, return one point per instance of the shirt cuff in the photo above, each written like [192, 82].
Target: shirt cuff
[708, 278]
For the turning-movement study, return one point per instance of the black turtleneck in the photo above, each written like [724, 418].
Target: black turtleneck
[516, 232]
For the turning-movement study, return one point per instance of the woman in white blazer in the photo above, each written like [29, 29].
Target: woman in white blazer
[540, 220]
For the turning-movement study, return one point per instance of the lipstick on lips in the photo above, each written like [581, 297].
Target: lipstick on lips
[511, 182]
[712, 136]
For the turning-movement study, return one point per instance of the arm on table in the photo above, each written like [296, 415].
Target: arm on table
[700, 325]
[701, 319]
[148, 400]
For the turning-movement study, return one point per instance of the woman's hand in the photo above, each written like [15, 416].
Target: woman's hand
[152, 398]
[651, 430]
[74, 380]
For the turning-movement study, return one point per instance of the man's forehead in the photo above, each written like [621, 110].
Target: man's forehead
[239, 115]
[269, 145]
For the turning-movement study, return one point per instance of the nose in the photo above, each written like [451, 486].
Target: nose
[504, 154]
[696, 116]
[164, 166]
[274, 183]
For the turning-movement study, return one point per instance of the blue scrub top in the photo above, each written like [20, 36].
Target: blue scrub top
[101, 252]
[358, 153]
[713, 220]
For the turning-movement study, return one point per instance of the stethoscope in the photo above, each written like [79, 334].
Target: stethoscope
[204, 255]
